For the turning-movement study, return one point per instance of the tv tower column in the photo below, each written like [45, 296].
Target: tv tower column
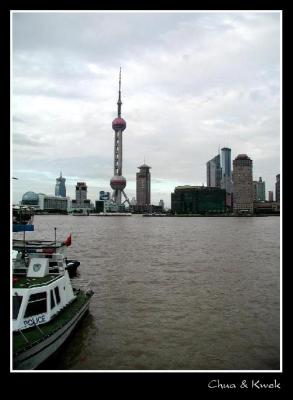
[118, 182]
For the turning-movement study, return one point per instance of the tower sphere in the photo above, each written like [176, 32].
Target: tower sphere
[118, 182]
[118, 123]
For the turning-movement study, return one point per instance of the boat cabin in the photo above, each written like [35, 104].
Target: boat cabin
[21, 261]
[38, 293]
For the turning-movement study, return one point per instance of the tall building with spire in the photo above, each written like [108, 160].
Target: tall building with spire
[60, 188]
[143, 186]
[118, 182]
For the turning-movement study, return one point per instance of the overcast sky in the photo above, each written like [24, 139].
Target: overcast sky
[191, 83]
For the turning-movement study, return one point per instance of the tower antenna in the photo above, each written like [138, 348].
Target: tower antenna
[119, 103]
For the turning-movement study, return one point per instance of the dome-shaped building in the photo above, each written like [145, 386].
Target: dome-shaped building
[30, 199]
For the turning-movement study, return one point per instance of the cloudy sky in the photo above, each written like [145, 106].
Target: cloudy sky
[191, 83]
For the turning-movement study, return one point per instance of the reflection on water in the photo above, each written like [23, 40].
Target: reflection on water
[173, 293]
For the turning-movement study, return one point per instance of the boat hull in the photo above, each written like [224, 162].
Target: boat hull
[36, 355]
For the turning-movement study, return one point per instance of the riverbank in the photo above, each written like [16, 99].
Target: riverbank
[163, 215]
[224, 215]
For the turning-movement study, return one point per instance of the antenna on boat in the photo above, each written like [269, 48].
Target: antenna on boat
[20, 221]
[24, 242]
[55, 239]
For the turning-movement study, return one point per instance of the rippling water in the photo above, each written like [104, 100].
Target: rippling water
[173, 293]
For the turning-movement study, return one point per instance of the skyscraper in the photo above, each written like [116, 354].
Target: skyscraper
[80, 194]
[242, 184]
[259, 190]
[143, 186]
[277, 188]
[118, 182]
[214, 172]
[271, 195]
[198, 200]
[226, 180]
[60, 188]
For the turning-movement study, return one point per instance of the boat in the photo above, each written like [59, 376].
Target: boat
[80, 213]
[154, 215]
[46, 306]
[22, 257]
[22, 218]
[114, 214]
[24, 248]
[22, 215]
[38, 246]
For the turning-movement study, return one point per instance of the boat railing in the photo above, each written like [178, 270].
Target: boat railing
[35, 341]
[23, 335]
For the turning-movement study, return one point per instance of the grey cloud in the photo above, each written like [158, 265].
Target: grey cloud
[96, 35]
[22, 139]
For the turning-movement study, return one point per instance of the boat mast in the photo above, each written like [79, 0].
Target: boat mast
[55, 239]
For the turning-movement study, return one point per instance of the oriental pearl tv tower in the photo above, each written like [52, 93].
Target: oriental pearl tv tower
[118, 182]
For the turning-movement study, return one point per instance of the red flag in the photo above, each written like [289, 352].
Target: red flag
[67, 242]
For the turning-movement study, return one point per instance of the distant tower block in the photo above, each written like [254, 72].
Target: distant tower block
[60, 188]
[143, 186]
[118, 182]
[242, 184]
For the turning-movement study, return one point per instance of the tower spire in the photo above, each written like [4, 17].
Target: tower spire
[119, 103]
[118, 182]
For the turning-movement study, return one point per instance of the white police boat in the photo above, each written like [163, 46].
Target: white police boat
[46, 308]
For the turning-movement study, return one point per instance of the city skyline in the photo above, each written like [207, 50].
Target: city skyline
[192, 83]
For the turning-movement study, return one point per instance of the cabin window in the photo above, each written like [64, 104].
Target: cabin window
[57, 294]
[52, 299]
[37, 304]
[38, 296]
[16, 305]
[52, 264]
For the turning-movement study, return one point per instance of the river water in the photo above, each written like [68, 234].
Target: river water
[173, 293]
